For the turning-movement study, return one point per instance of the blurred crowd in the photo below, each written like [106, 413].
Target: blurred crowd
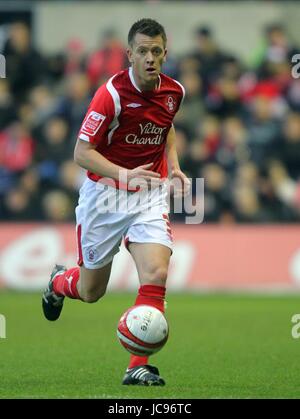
[238, 128]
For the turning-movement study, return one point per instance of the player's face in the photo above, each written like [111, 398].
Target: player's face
[147, 55]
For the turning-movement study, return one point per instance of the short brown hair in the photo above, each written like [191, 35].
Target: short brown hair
[147, 27]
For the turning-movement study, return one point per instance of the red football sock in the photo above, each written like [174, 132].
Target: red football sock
[151, 295]
[66, 284]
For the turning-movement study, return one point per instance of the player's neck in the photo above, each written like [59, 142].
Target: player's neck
[145, 87]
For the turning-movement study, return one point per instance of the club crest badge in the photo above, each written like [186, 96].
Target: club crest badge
[171, 102]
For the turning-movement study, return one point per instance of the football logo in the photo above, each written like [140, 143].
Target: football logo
[171, 103]
[92, 254]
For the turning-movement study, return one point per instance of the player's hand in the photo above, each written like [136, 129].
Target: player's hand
[181, 183]
[143, 177]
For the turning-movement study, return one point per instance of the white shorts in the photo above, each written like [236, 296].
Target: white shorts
[105, 215]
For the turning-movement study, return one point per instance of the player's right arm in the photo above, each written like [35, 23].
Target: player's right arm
[86, 156]
[94, 129]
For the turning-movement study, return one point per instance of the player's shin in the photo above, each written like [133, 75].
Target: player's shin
[152, 295]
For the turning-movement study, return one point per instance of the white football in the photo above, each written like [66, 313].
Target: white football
[143, 330]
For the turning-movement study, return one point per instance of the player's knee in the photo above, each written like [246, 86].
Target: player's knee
[157, 275]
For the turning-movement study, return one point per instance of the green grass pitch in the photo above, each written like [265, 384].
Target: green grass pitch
[220, 346]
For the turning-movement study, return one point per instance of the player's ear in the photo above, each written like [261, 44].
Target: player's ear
[129, 55]
[165, 56]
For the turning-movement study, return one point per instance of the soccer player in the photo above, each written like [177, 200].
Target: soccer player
[127, 134]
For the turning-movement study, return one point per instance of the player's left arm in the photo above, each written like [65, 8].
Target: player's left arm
[174, 162]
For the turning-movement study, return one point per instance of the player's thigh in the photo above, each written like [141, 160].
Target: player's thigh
[152, 262]
[99, 232]
[93, 282]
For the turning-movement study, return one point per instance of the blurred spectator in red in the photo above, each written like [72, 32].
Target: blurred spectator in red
[68, 61]
[16, 147]
[71, 60]
[74, 57]
[108, 60]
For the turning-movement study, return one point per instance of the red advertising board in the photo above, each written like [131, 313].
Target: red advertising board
[205, 257]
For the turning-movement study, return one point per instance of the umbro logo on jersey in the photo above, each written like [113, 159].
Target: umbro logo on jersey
[133, 105]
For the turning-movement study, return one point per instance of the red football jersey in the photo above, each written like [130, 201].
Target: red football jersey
[129, 126]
